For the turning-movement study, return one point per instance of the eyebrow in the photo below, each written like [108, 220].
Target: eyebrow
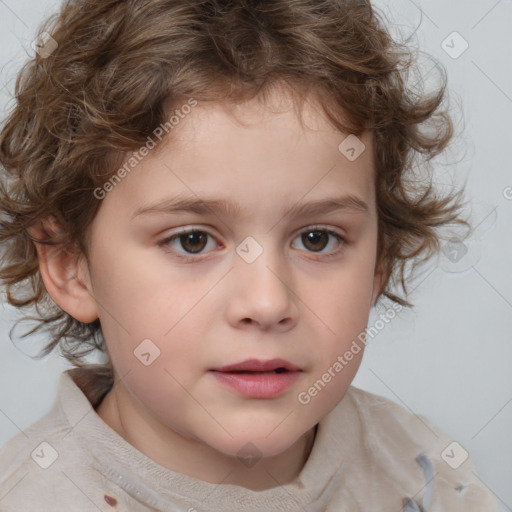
[349, 203]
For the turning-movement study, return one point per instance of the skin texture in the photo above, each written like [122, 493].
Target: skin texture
[212, 309]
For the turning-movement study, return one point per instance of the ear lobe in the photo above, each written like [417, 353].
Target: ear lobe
[60, 270]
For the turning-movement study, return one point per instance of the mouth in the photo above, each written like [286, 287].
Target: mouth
[259, 366]
[255, 378]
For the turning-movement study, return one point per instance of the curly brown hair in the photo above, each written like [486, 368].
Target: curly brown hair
[121, 65]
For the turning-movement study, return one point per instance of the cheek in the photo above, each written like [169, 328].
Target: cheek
[142, 297]
[344, 307]
[160, 371]
[158, 346]
[345, 301]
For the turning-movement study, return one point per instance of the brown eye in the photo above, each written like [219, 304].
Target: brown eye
[315, 240]
[194, 242]
[318, 240]
[189, 242]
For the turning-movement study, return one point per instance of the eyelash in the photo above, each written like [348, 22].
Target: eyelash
[324, 256]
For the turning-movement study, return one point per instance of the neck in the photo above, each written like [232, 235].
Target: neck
[193, 458]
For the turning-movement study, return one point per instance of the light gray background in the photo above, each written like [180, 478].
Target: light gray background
[450, 357]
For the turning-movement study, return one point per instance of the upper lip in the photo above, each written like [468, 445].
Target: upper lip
[258, 365]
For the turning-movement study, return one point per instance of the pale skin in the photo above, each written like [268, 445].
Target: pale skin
[301, 302]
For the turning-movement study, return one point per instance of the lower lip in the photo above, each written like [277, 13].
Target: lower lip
[258, 385]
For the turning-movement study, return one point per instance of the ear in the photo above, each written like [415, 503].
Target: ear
[65, 273]
[380, 280]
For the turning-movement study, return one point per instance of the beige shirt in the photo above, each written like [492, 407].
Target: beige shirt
[369, 455]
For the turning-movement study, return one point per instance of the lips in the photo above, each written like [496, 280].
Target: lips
[256, 365]
[255, 378]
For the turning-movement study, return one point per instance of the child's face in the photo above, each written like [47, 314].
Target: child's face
[304, 299]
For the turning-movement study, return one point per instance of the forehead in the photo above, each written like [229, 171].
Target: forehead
[259, 155]
[280, 110]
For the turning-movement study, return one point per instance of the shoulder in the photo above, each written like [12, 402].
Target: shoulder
[390, 421]
[21, 449]
[402, 441]
[38, 464]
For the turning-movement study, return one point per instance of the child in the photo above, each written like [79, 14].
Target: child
[282, 139]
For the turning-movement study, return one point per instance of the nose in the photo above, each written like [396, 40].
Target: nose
[262, 295]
